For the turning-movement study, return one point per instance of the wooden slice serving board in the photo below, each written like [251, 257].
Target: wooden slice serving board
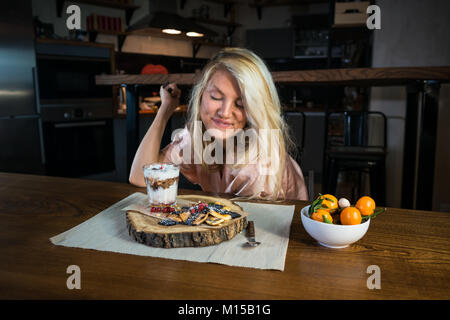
[145, 229]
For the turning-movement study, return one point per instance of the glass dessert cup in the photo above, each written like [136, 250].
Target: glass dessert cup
[162, 183]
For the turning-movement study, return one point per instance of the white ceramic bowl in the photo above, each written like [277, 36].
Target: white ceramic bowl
[333, 235]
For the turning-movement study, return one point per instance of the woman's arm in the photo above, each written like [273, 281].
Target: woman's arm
[149, 148]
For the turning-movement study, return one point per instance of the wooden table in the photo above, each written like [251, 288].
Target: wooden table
[411, 249]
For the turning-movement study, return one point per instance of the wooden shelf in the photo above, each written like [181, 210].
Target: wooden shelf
[76, 43]
[129, 8]
[357, 76]
[157, 79]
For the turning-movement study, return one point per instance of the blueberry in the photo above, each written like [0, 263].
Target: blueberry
[167, 222]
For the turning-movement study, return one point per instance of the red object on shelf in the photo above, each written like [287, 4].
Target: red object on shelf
[154, 69]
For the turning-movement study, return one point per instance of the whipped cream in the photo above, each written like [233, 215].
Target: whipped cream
[161, 171]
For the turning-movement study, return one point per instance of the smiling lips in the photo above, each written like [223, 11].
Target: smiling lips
[222, 124]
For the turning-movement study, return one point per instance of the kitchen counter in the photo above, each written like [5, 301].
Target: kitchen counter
[183, 109]
[345, 76]
[410, 247]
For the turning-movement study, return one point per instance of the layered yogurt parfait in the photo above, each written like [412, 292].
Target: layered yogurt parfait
[162, 183]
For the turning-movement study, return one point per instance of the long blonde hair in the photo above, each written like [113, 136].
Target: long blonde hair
[261, 105]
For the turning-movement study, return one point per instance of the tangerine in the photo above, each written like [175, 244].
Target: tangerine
[329, 201]
[366, 205]
[350, 216]
[320, 213]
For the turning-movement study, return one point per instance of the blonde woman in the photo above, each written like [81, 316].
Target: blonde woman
[234, 98]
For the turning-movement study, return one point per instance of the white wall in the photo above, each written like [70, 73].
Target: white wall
[413, 33]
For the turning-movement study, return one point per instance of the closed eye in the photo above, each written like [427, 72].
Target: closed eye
[215, 98]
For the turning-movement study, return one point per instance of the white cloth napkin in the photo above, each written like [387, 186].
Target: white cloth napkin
[107, 231]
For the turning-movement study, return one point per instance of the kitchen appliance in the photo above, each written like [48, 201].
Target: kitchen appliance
[20, 126]
[78, 139]
[163, 15]
[76, 114]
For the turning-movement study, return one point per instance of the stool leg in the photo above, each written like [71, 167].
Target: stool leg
[378, 182]
[373, 181]
[381, 187]
[332, 176]
[353, 199]
[360, 184]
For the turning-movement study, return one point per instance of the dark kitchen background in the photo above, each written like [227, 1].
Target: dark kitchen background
[54, 119]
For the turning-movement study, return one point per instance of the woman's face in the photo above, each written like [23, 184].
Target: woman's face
[221, 107]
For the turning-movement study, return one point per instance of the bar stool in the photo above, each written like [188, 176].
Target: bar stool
[356, 143]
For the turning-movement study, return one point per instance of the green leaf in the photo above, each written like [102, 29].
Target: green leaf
[376, 212]
[311, 207]
[318, 205]
[326, 220]
[314, 204]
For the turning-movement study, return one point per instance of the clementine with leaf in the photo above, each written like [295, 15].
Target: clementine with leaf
[322, 215]
[350, 216]
[366, 205]
[329, 202]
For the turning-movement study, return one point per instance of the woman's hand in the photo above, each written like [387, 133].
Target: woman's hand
[170, 98]
[149, 148]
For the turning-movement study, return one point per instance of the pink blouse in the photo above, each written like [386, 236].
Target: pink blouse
[243, 182]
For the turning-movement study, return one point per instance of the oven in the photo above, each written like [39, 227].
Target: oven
[76, 114]
[78, 139]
